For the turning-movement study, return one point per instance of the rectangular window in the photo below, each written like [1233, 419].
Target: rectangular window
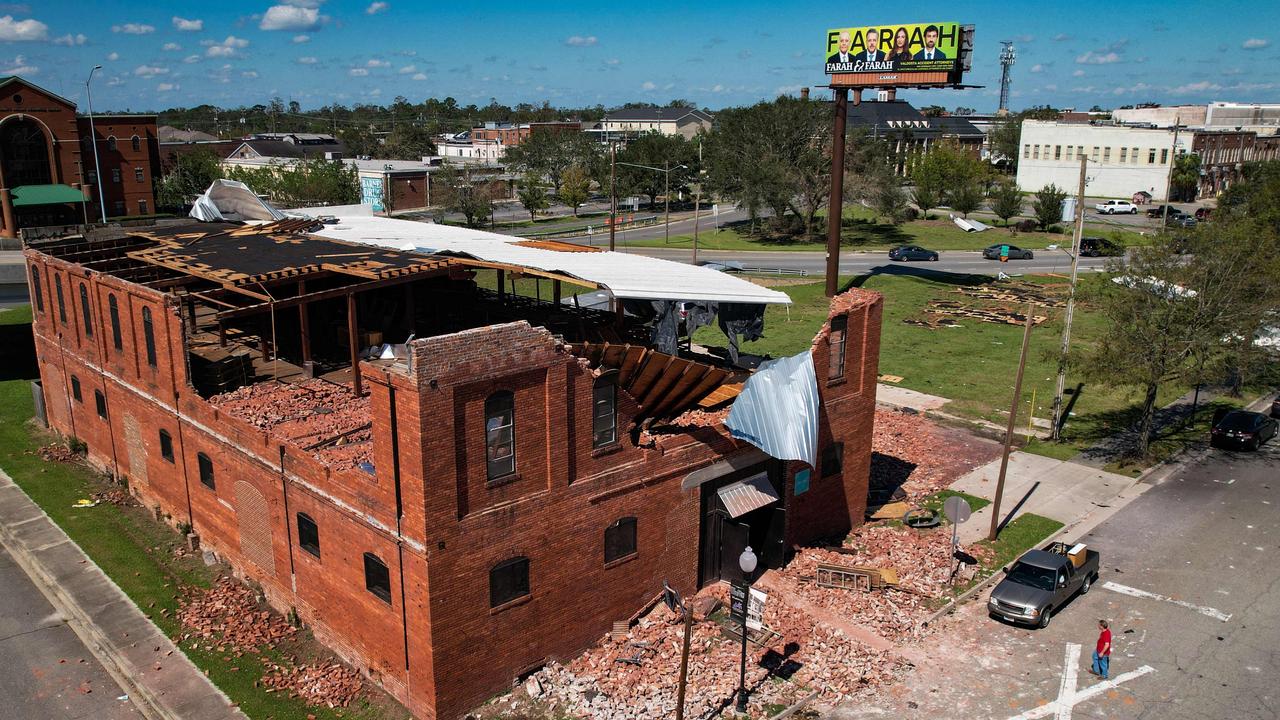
[206, 471]
[377, 579]
[832, 459]
[1133, 156]
[142, 207]
[166, 445]
[1106, 154]
[500, 434]
[1164, 156]
[115, 175]
[1035, 152]
[36, 290]
[119, 207]
[835, 347]
[1057, 152]
[1151, 157]
[604, 415]
[1069, 149]
[113, 308]
[137, 174]
[100, 401]
[84, 311]
[508, 581]
[1093, 155]
[1124, 154]
[149, 335]
[1026, 151]
[62, 306]
[620, 539]
[75, 389]
[308, 534]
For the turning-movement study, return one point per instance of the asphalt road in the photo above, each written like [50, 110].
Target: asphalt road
[857, 263]
[47, 671]
[1191, 588]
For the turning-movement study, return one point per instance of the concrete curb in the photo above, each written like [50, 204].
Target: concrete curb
[962, 597]
[206, 700]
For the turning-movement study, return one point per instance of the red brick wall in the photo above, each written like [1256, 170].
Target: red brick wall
[408, 192]
[126, 160]
[58, 116]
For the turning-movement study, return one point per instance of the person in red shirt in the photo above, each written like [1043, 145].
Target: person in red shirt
[1102, 654]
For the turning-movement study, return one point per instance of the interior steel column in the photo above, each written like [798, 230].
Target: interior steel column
[835, 204]
[352, 336]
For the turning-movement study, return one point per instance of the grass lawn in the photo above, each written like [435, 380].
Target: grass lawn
[1025, 532]
[137, 552]
[935, 501]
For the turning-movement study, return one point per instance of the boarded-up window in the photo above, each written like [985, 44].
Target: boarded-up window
[604, 412]
[149, 335]
[500, 434]
[620, 539]
[254, 515]
[508, 580]
[206, 471]
[84, 311]
[308, 534]
[113, 308]
[36, 290]
[166, 445]
[377, 579]
[835, 346]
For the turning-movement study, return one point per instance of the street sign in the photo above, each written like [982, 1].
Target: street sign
[737, 601]
[956, 509]
[755, 609]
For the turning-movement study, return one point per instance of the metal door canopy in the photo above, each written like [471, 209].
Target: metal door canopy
[744, 496]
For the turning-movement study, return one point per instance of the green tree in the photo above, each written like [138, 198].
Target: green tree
[548, 153]
[190, 176]
[1047, 205]
[656, 150]
[1005, 139]
[532, 196]
[1006, 200]
[1185, 179]
[407, 142]
[575, 187]
[457, 190]
[967, 197]
[890, 200]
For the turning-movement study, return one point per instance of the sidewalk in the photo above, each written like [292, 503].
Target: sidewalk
[162, 682]
[1062, 490]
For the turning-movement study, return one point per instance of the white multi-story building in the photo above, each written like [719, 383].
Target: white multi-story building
[1122, 160]
[1163, 116]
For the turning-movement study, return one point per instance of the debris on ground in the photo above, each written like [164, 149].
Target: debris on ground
[1002, 302]
[332, 684]
[913, 456]
[317, 415]
[230, 618]
[57, 452]
[115, 496]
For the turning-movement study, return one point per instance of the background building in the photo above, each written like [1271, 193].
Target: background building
[623, 124]
[1122, 160]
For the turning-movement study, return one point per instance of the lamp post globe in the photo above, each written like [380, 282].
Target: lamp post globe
[747, 561]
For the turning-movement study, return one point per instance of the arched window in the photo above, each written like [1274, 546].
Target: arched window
[84, 310]
[604, 411]
[149, 334]
[36, 289]
[137, 143]
[377, 579]
[508, 580]
[620, 539]
[113, 308]
[62, 306]
[500, 434]
[111, 142]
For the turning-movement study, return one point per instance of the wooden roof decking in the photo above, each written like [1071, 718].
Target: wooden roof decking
[663, 385]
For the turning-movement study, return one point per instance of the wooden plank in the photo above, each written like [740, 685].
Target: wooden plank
[631, 362]
[692, 376]
[661, 389]
[653, 369]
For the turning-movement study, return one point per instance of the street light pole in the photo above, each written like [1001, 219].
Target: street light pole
[93, 138]
[613, 192]
[1055, 431]
[697, 203]
[666, 194]
[746, 563]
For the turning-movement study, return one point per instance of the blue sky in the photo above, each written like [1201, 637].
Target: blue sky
[575, 53]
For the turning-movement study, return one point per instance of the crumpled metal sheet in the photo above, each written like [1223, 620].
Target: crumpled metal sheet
[777, 410]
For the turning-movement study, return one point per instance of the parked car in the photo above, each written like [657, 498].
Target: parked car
[1275, 408]
[1015, 252]
[1097, 247]
[912, 252]
[1157, 211]
[1042, 581]
[1243, 429]
[1204, 213]
[1183, 221]
[1113, 207]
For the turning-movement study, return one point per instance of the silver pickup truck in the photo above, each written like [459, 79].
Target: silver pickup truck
[1042, 581]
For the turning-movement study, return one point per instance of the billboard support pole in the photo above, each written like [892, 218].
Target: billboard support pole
[835, 204]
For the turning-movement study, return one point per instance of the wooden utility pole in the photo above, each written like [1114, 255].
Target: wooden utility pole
[1168, 183]
[613, 192]
[835, 203]
[1055, 431]
[1013, 418]
[697, 203]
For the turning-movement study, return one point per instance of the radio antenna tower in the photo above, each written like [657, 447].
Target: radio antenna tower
[1007, 56]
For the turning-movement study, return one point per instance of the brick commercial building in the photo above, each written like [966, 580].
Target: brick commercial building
[47, 173]
[450, 512]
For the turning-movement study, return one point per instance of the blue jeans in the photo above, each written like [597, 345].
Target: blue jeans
[1101, 664]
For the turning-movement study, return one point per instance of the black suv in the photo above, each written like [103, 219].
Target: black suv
[1097, 247]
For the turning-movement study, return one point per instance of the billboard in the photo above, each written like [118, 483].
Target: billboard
[893, 48]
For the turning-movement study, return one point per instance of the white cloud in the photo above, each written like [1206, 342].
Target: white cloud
[1098, 58]
[1255, 43]
[28, 30]
[1078, 73]
[1060, 37]
[226, 48]
[1037, 68]
[648, 85]
[357, 72]
[167, 87]
[307, 60]
[290, 17]
[186, 25]
[191, 59]
[115, 81]
[581, 41]
[612, 61]
[18, 66]
[376, 7]
[407, 69]
[147, 71]
[299, 39]
[250, 74]
[304, 3]
[113, 56]
[1197, 87]
[133, 29]
[70, 40]
[376, 63]
[419, 77]
[171, 46]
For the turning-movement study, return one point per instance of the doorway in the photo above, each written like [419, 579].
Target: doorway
[731, 521]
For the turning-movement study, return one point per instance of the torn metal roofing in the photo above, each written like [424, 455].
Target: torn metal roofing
[624, 275]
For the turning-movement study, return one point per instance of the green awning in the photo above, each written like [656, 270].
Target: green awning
[46, 195]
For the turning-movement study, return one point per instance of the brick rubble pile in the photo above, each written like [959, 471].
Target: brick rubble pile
[229, 618]
[305, 414]
[940, 455]
[328, 684]
[57, 452]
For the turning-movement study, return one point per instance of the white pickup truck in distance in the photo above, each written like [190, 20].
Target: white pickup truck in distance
[1111, 207]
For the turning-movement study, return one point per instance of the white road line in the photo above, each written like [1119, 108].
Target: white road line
[1070, 678]
[1086, 694]
[1135, 592]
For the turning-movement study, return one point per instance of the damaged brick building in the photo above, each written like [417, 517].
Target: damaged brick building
[449, 512]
